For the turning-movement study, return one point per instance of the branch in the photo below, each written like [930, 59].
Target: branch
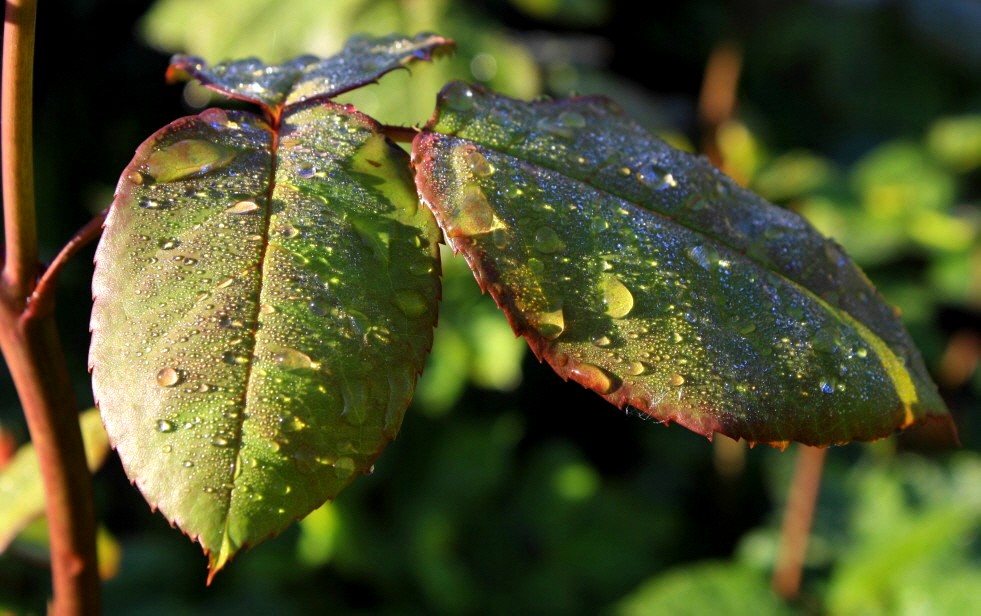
[797, 521]
[20, 225]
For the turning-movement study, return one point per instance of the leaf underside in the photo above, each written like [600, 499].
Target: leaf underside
[265, 295]
[647, 276]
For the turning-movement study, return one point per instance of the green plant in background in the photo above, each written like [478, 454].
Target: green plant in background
[470, 213]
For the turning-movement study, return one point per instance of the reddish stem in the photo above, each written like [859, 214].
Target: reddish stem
[797, 521]
[30, 344]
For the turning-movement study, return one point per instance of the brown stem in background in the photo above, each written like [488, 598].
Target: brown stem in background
[399, 134]
[42, 300]
[797, 521]
[717, 100]
[30, 344]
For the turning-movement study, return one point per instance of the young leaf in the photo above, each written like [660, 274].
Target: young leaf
[265, 295]
[647, 276]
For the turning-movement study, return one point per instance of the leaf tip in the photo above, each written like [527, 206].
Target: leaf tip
[218, 561]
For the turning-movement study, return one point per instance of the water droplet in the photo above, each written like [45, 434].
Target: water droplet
[233, 358]
[618, 301]
[707, 257]
[243, 207]
[598, 225]
[827, 386]
[564, 125]
[344, 467]
[500, 237]
[536, 265]
[188, 464]
[421, 267]
[168, 377]
[861, 352]
[749, 328]
[549, 324]
[676, 380]
[292, 359]
[188, 158]
[459, 98]
[306, 172]
[165, 426]
[287, 231]
[169, 243]
[478, 163]
[546, 240]
[636, 368]
[824, 341]
[220, 441]
[411, 302]
[475, 215]
[266, 309]
[167, 448]
[595, 378]
[135, 177]
[602, 341]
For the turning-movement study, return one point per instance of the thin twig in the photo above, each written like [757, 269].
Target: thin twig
[42, 300]
[400, 134]
[801, 502]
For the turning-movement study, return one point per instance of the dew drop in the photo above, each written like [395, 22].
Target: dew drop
[500, 237]
[598, 225]
[707, 257]
[546, 240]
[411, 302]
[602, 341]
[188, 158]
[459, 98]
[536, 265]
[421, 267]
[233, 358]
[292, 359]
[169, 377]
[827, 386]
[636, 368]
[549, 324]
[287, 231]
[344, 467]
[618, 301]
[167, 448]
[306, 172]
[478, 163]
[242, 207]
[595, 378]
[165, 426]
[475, 215]
[676, 380]
[135, 177]
[188, 464]
[169, 243]
[220, 441]
[266, 309]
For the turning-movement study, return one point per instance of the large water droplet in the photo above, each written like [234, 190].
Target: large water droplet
[595, 378]
[475, 215]
[636, 368]
[411, 302]
[478, 163]
[602, 341]
[169, 377]
[546, 240]
[618, 301]
[459, 98]
[550, 324]
[564, 125]
[169, 243]
[676, 380]
[292, 359]
[827, 386]
[188, 158]
[220, 441]
[344, 467]
[706, 257]
[242, 207]
[233, 358]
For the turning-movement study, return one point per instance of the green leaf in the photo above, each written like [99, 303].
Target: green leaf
[265, 295]
[306, 78]
[704, 588]
[645, 275]
[21, 489]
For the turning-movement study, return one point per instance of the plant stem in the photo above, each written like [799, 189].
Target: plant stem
[797, 521]
[16, 134]
[29, 339]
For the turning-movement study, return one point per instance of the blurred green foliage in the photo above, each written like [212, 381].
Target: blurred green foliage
[509, 491]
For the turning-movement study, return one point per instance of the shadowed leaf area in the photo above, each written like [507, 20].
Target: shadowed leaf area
[265, 295]
[647, 276]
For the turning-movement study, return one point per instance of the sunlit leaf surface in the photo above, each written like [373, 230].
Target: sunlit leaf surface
[647, 276]
[265, 295]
